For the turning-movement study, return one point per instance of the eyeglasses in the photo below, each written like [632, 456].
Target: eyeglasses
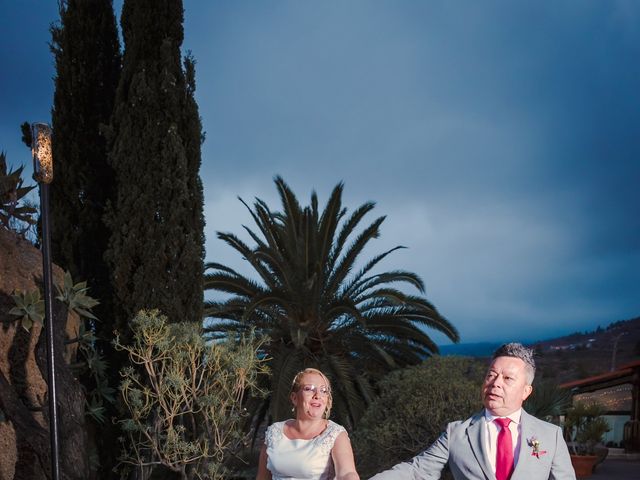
[312, 390]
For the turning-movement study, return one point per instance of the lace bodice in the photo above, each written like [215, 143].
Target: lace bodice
[301, 459]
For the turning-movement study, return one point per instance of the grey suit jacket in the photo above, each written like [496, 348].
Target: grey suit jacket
[463, 447]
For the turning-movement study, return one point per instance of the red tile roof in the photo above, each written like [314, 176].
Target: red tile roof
[622, 371]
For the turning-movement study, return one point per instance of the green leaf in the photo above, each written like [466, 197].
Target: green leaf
[76, 298]
[27, 323]
[29, 306]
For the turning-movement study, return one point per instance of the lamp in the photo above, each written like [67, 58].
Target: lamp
[43, 174]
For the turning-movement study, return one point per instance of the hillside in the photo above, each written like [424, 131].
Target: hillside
[581, 355]
[575, 356]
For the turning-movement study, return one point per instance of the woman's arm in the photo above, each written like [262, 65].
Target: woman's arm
[263, 472]
[343, 461]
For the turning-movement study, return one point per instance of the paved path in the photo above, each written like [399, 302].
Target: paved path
[615, 469]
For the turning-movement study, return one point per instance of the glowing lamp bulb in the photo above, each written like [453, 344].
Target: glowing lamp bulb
[42, 152]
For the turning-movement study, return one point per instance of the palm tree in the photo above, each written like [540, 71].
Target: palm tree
[316, 311]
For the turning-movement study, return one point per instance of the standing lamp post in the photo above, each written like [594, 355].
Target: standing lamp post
[43, 174]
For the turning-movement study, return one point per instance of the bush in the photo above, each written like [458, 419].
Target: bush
[585, 427]
[16, 213]
[184, 398]
[547, 401]
[414, 407]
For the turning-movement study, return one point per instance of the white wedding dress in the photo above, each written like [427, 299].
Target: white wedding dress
[301, 459]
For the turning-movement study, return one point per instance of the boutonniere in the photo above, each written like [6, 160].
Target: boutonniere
[534, 443]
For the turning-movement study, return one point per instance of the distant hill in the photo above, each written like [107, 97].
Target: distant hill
[582, 355]
[574, 356]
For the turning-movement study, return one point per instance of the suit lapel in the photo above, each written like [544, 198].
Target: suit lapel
[526, 432]
[478, 443]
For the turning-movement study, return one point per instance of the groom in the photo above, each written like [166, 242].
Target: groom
[502, 442]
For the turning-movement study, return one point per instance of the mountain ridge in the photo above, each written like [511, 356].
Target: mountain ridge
[573, 356]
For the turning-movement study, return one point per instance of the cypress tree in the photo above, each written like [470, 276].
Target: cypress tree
[156, 250]
[87, 57]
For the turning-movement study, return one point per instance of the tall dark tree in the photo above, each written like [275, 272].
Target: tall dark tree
[156, 250]
[87, 57]
[316, 307]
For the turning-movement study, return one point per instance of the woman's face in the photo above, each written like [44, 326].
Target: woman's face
[312, 397]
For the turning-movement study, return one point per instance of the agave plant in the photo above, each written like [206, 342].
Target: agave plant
[12, 194]
[76, 298]
[316, 306]
[29, 307]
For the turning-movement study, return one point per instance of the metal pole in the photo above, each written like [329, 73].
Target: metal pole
[43, 174]
[50, 332]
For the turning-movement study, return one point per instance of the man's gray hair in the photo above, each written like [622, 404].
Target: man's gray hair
[517, 350]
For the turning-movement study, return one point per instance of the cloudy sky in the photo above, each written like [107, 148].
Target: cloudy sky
[500, 138]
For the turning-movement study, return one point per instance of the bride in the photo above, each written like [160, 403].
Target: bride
[309, 447]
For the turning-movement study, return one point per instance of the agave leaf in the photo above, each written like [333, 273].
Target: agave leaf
[96, 410]
[85, 313]
[27, 323]
[18, 299]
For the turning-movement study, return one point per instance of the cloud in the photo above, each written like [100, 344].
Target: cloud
[500, 139]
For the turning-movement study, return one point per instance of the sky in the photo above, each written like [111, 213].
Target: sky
[501, 139]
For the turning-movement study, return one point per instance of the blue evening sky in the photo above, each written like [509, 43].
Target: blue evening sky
[500, 138]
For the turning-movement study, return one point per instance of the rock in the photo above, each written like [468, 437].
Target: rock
[24, 437]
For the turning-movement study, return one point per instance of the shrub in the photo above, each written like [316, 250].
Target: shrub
[547, 401]
[413, 408]
[184, 397]
[585, 427]
[15, 211]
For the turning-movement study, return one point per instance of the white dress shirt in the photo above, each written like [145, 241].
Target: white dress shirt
[491, 432]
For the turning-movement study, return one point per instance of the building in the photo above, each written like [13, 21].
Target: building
[619, 393]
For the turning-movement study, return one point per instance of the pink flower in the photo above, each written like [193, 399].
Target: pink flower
[534, 443]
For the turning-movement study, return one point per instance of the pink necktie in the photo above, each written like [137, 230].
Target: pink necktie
[504, 455]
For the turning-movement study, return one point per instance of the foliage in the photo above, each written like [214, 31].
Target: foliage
[353, 326]
[86, 51]
[585, 427]
[13, 205]
[156, 251]
[92, 369]
[414, 407]
[547, 401]
[184, 396]
[29, 306]
[93, 364]
[75, 296]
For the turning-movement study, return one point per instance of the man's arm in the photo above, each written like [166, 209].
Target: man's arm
[426, 465]
[561, 468]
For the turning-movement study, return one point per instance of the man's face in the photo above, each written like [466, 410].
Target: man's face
[505, 386]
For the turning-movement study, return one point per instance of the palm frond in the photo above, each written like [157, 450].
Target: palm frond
[315, 307]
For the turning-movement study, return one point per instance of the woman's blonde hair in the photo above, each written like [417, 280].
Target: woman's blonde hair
[295, 387]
